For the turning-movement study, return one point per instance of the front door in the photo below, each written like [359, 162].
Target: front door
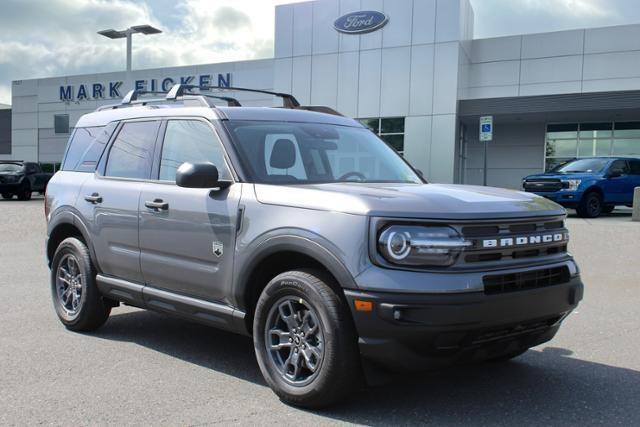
[619, 189]
[187, 235]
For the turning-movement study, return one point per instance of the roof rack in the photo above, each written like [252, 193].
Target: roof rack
[183, 91]
[288, 100]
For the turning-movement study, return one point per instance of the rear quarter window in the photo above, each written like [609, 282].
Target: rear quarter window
[86, 147]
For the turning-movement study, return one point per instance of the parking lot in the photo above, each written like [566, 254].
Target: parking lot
[144, 368]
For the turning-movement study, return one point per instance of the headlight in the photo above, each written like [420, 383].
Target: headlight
[414, 245]
[571, 184]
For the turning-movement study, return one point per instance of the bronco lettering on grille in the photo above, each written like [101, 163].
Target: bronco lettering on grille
[538, 239]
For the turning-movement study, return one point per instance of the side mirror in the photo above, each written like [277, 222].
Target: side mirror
[197, 175]
[614, 173]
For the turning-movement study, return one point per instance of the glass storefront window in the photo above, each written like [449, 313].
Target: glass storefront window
[390, 129]
[567, 141]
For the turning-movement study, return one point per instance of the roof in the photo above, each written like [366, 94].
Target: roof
[101, 118]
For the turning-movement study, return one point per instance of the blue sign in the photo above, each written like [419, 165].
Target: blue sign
[486, 127]
[360, 22]
[97, 91]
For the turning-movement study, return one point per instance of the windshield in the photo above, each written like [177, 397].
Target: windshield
[302, 153]
[10, 167]
[582, 165]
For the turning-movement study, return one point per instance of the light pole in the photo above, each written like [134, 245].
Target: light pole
[115, 34]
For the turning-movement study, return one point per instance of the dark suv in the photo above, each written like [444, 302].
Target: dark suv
[592, 185]
[21, 179]
[300, 228]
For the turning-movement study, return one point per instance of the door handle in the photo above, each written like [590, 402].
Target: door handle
[93, 198]
[157, 204]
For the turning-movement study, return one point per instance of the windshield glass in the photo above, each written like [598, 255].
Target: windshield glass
[302, 153]
[583, 165]
[10, 167]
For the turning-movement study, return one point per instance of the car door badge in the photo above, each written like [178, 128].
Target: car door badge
[218, 248]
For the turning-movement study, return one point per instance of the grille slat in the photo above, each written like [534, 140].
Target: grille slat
[513, 282]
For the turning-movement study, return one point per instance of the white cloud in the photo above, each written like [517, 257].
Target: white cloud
[45, 38]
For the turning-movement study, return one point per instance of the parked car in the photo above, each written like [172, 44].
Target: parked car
[21, 179]
[591, 186]
[305, 231]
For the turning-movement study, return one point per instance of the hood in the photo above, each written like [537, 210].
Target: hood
[555, 175]
[429, 201]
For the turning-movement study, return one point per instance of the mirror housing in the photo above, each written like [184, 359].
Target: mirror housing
[197, 175]
[614, 174]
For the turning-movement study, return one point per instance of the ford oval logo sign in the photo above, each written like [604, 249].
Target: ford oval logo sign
[360, 22]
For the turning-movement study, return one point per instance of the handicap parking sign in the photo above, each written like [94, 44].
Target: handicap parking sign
[486, 128]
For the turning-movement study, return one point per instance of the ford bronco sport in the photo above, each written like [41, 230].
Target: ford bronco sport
[300, 228]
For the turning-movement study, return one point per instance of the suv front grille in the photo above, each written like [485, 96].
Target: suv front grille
[479, 253]
[542, 185]
[503, 283]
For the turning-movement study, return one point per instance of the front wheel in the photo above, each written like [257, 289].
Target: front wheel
[590, 206]
[76, 298]
[7, 196]
[304, 339]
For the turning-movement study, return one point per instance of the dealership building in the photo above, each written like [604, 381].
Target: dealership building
[412, 72]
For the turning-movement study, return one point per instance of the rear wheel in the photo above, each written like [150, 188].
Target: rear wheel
[304, 339]
[590, 206]
[7, 196]
[25, 193]
[76, 298]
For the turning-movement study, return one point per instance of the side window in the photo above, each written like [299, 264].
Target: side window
[190, 141]
[282, 156]
[634, 167]
[85, 149]
[131, 154]
[620, 166]
[31, 168]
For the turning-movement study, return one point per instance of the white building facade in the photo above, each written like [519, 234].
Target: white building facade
[417, 78]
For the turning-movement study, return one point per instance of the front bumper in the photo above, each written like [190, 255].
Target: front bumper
[425, 331]
[10, 187]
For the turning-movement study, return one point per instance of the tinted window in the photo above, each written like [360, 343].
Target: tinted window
[635, 167]
[131, 154]
[619, 166]
[86, 147]
[190, 141]
[10, 167]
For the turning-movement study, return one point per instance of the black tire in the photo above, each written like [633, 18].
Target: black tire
[508, 356]
[25, 192]
[607, 209]
[91, 311]
[337, 371]
[7, 196]
[590, 205]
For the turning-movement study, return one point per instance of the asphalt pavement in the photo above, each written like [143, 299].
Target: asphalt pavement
[143, 368]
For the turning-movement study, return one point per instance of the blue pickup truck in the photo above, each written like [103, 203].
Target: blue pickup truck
[591, 186]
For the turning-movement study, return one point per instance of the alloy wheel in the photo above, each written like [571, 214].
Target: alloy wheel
[69, 285]
[294, 340]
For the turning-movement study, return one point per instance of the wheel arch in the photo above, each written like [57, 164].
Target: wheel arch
[277, 255]
[63, 225]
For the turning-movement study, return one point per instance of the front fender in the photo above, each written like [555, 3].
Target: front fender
[288, 240]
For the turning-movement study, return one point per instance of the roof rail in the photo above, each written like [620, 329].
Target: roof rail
[288, 100]
[133, 95]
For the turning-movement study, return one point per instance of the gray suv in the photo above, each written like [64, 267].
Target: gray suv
[300, 228]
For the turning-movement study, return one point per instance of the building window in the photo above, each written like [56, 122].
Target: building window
[390, 129]
[61, 123]
[568, 141]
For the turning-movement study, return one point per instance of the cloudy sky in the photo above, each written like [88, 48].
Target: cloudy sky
[44, 38]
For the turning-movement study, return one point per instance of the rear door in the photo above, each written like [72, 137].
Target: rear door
[109, 199]
[187, 244]
[634, 175]
[617, 189]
